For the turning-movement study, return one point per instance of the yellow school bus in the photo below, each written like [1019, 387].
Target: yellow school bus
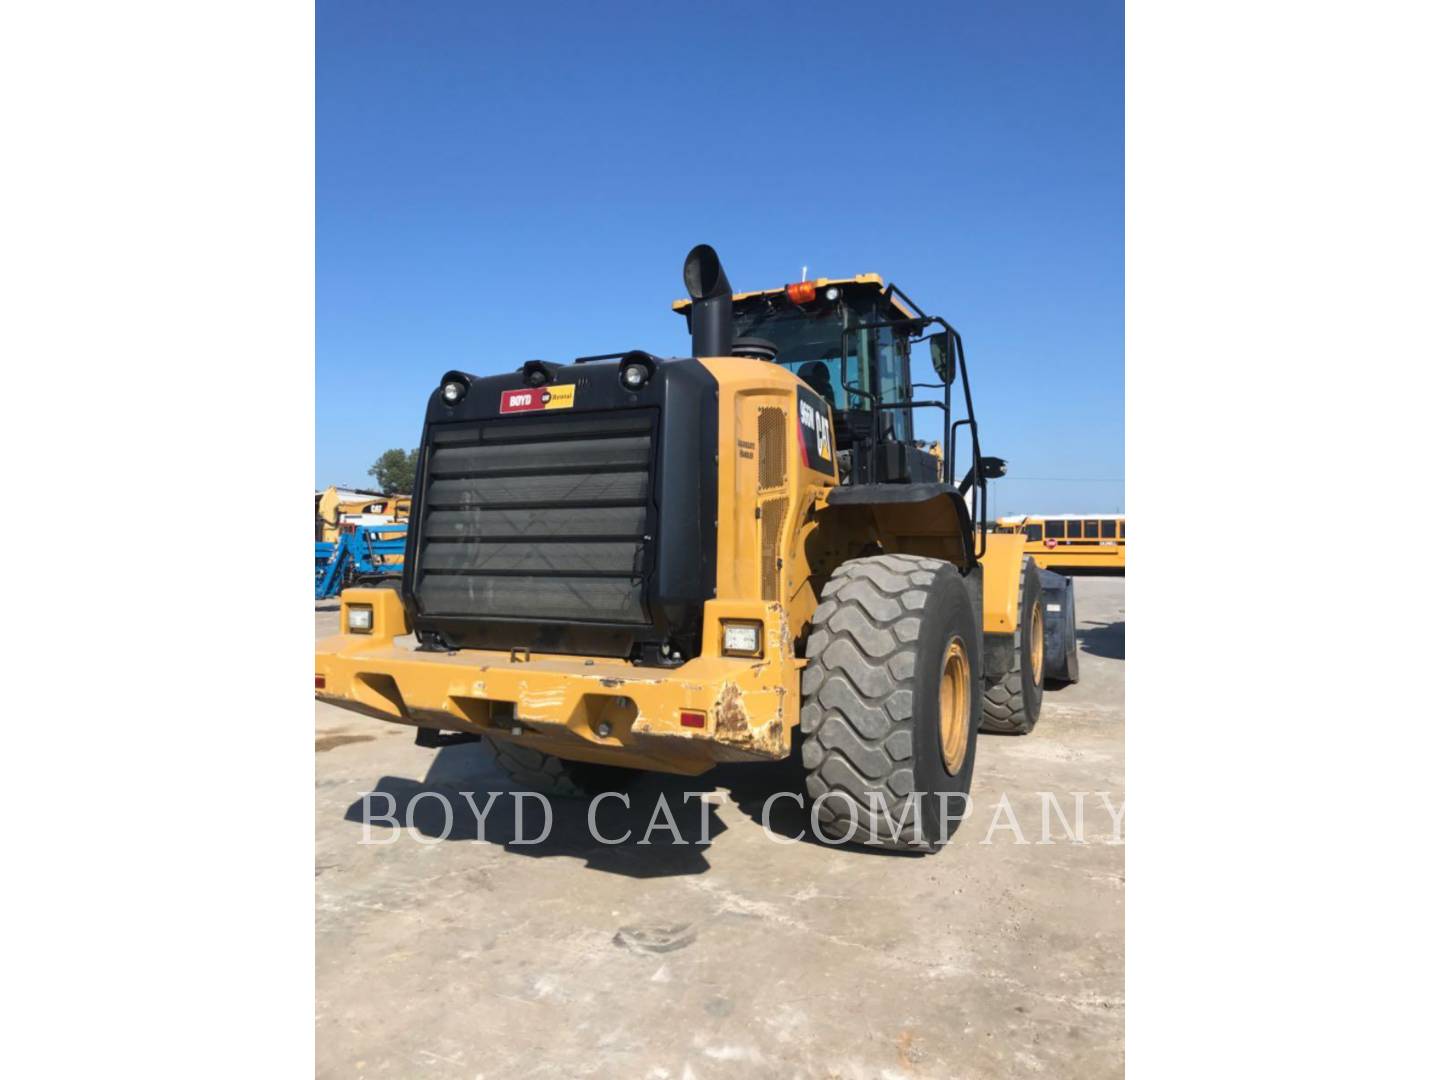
[1071, 541]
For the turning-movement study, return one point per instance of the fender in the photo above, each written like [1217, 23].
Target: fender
[1004, 560]
[915, 519]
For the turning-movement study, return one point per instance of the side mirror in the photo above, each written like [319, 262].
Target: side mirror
[993, 468]
[942, 357]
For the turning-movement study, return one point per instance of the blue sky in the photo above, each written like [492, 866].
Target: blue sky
[500, 182]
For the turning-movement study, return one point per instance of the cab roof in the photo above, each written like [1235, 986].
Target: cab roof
[874, 281]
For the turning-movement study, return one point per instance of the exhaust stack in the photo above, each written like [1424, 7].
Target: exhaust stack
[712, 314]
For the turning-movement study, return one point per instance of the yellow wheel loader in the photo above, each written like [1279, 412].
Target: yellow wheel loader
[634, 563]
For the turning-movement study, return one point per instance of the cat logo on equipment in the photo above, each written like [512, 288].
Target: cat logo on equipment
[814, 416]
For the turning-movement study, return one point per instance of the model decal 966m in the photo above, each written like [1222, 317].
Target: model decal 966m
[814, 416]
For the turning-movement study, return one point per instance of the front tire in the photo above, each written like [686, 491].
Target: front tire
[891, 702]
[1062, 656]
[536, 770]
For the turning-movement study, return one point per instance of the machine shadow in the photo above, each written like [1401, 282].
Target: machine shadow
[1105, 640]
[439, 810]
[782, 785]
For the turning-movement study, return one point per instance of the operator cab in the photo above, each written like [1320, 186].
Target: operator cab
[850, 340]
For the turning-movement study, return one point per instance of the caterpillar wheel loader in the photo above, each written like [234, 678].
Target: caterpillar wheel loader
[634, 563]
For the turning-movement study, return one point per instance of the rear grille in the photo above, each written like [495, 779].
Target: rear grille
[774, 433]
[537, 519]
[774, 436]
[772, 517]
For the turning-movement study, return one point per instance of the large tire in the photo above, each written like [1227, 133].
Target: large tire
[1062, 653]
[536, 770]
[1012, 701]
[891, 631]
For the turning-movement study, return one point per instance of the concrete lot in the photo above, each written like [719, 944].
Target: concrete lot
[739, 958]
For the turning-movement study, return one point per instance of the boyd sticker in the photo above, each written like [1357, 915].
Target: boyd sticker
[545, 397]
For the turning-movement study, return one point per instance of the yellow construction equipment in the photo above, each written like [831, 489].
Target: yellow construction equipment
[630, 562]
[335, 507]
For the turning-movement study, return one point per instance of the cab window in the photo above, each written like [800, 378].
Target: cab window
[893, 358]
[810, 340]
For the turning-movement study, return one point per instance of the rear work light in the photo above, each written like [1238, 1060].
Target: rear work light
[361, 618]
[740, 638]
[802, 292]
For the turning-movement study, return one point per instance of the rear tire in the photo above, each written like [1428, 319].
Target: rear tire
[1012, 702]
[894, 637]
[536, 770]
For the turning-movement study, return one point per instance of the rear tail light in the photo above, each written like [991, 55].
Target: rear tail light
[688, 718]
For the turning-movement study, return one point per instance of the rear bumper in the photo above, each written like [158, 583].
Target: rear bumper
[562, 704]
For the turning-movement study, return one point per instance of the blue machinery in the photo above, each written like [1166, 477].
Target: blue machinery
[363, 551]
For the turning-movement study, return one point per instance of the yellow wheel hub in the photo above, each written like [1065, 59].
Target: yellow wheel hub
[1037, 643]
[954, 706]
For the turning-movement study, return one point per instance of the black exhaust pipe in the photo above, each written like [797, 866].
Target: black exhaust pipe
[712, 312]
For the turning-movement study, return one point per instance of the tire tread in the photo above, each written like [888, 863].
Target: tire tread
[537, 770]
[1002, 710]
[857, 715]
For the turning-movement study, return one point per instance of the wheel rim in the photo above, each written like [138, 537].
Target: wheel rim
[1037, 643]
[954, 706]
